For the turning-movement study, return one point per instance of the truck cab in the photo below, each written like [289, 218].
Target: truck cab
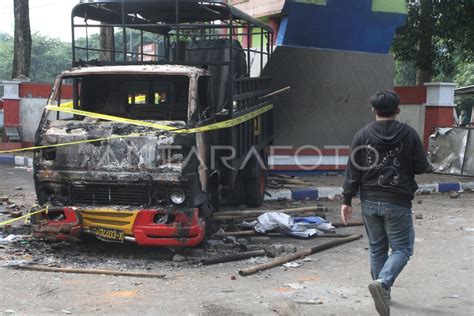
[150, 143]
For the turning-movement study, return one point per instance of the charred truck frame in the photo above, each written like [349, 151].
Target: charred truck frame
[165, 119]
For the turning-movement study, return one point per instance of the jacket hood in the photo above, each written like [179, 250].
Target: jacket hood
[387, 132]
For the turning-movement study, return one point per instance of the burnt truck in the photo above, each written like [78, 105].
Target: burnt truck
[164, 113]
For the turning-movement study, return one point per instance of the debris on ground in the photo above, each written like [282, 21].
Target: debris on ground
[293, 264]
[295, 286]
[4, 199]
[9, 239]
[454, 195]
[88, 271]
[276, 181]
[298, 255]
[253, 214]
[234, 257]
[179, 258]
[309, 302]
[301, 227]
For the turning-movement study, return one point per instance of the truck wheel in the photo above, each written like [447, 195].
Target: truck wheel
[255, 184]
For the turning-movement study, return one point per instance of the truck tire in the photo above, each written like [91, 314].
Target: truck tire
[255, 184]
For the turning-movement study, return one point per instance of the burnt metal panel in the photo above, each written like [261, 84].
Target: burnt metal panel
[451, 151]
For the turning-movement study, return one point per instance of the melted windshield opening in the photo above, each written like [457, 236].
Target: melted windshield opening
[137, 97]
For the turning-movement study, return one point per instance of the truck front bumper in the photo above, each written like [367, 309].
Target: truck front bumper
[178, 228]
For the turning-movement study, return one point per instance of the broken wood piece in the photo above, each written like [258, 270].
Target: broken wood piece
[294, 182]
[286, 211]
[234, 257]
[298, 255]
[244, 217]
[281, 176]
[358, 223]
[90, 271]
[47, 292]
[4, 199]
[245, 233]
[252, 214]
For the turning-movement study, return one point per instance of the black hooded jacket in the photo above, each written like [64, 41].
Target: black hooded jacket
[385, 156]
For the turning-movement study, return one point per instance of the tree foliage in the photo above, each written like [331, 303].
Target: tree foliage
[6, 56]
[49, 57]
[438, 36]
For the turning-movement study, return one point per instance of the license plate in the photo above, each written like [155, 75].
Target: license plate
[108, 234]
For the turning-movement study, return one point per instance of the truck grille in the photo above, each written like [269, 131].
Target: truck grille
[105, 194]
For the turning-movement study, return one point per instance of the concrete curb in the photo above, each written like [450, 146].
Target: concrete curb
[17, 161]
[316, 193]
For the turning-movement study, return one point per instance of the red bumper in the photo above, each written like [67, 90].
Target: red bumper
[58, 224]
[185, 230]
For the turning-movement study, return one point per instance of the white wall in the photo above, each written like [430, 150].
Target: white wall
[413, 115]
[31, 110]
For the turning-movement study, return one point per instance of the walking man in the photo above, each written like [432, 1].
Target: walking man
[385, 156]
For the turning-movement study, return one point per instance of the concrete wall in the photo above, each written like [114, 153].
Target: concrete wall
[332, 89]
[31, 110]
[412, 100]
[413, 115]
[259, 8]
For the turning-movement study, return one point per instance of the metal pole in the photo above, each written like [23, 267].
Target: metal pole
[141, 43]
[131, 44]
[298, 255]
[124, 31]
[465, 150]
[249, 43]
[261, 51]
[231, 66]
[177, 29]
[87, 43]
[73, 42]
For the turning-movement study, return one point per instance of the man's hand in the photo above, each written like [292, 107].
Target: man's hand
[346, 213]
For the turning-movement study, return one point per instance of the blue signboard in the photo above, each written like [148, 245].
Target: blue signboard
[351, 25]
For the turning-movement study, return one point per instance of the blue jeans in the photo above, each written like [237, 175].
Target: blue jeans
[388, 225]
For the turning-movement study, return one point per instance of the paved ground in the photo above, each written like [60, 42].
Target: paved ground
[438, 280]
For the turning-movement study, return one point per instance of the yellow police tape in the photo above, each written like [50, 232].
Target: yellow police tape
[70, 105]
[206, 128]
[73, 143]
[45, 210]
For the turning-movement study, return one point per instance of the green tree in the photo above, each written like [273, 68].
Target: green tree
[6, 56]
[465, 74]
[405, 73]
[436, 32]
[49, 57]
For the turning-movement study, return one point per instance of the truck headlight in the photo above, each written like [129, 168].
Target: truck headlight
[178, 196]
